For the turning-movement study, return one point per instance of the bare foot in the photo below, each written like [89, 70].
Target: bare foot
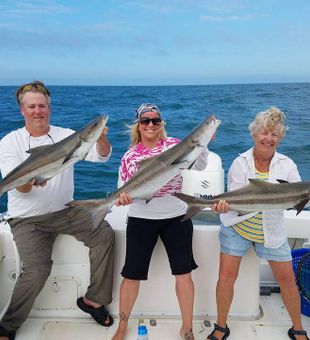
[120, 333]
[187, 334]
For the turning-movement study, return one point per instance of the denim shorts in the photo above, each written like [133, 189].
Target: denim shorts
[234, 244]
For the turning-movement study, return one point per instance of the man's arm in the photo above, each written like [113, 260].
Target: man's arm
[103, 146]
[101, 151]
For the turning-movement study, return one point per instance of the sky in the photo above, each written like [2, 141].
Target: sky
[154, 42]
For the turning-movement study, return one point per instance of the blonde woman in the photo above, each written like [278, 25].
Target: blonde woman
[264, 230]
[161, 217]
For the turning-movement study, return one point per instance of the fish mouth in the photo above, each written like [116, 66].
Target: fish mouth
[213, 119]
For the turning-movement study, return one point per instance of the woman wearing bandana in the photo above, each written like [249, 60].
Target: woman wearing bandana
[160, 217]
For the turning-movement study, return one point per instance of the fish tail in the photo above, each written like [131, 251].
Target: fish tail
[191, 211]
[192, 208]
[97, 207]
[1, 191]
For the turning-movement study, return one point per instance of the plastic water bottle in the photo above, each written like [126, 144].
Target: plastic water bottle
[142, 333]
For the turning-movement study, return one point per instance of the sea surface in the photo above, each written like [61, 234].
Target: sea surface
[182, 107]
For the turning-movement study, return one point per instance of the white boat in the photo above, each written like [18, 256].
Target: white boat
[252, 316]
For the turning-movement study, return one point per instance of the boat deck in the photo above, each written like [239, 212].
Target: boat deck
[273, 325]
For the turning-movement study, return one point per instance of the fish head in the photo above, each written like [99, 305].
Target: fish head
[205, 131]
[92, 131]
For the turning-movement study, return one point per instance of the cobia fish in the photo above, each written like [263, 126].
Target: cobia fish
[256, 196]
[46, 161]
[156, 171]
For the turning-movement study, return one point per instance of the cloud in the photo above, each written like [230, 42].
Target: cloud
[25, 8]
[247, 17]
[174, 6]
[225, 6]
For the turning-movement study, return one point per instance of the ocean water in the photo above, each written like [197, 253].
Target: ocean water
[182, 107]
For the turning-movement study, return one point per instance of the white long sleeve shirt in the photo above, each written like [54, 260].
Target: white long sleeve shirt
[58, 190]
[243, 168]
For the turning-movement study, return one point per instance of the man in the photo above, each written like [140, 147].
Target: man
[38, 214]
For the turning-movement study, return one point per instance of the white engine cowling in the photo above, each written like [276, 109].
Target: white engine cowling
[209, 181]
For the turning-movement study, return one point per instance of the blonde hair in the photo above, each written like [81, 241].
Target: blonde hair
[135, 137]
[269, 120]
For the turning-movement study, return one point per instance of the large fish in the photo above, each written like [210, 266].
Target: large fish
[256, 196]
[156, 171]
[46, 161]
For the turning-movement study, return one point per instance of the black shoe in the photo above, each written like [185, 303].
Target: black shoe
[98, 314]
[291, 333]
[225, 331]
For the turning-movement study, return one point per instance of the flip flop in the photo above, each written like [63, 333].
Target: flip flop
[98, 314]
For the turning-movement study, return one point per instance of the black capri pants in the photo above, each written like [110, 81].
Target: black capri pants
[141, 238]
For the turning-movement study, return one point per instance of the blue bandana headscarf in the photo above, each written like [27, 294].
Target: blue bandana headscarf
[146, 108]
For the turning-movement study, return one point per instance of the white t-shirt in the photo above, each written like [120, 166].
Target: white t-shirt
[163, 205]
[58, 190]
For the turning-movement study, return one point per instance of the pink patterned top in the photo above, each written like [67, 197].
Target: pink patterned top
[139, 152]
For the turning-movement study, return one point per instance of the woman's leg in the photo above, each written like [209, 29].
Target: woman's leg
[284, 274]
[184, 288]
[228, 273]
[141, 237]
[128, 294]
[177, 239]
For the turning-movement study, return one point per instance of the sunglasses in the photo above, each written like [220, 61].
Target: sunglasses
[30, 86]
[147, 120]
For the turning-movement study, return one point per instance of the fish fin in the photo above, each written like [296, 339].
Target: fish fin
[97, 207]
[259, 183]
[186, 198]
[191, 211]
[193, 208]
[182, 159]
[191, 165]
[69, 156]
[282, 181]
[300, 206]
[83, 159]
[145, 162]
[39, 149]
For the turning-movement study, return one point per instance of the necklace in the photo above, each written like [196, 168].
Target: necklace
[48, 135]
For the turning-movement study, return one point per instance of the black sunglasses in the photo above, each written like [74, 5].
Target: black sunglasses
[147, 120]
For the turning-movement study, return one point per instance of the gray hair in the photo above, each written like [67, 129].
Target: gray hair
[36, 86]
[269, 120]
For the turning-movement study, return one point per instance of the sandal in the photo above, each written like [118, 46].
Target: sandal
[226, 332]
[292, 332]
[9, 334]
[98, 314]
